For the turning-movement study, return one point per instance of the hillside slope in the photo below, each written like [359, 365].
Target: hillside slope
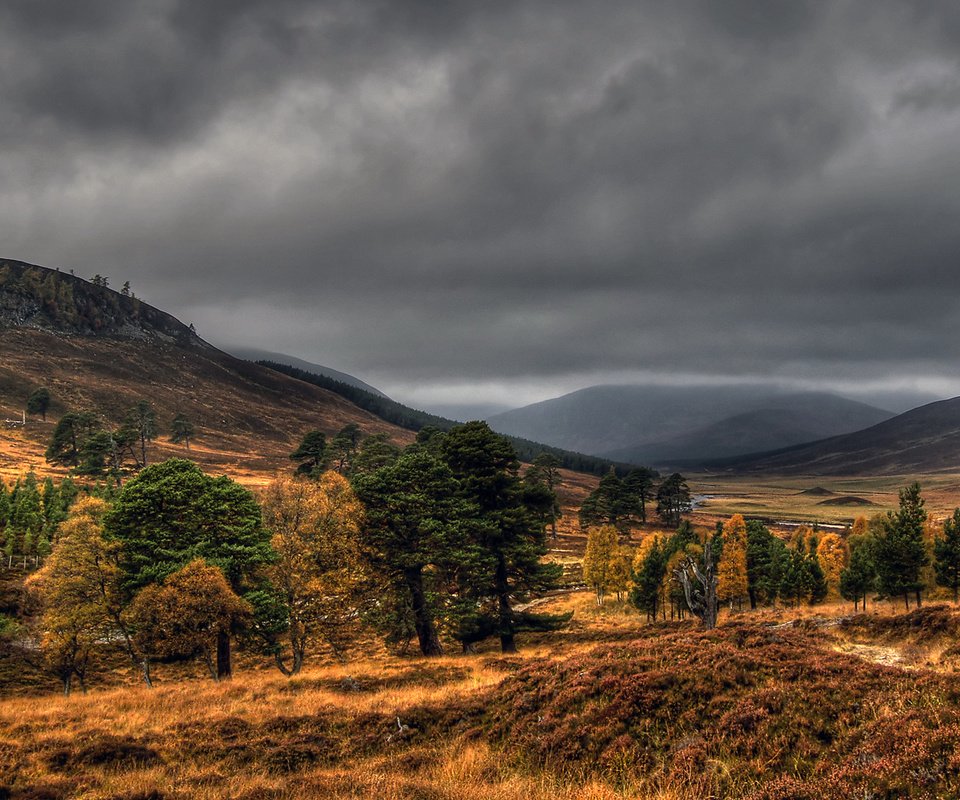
[254, 354]
[94, 348]
[926, 439]
[659, 424]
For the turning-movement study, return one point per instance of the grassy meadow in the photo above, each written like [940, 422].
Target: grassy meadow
[824, 499]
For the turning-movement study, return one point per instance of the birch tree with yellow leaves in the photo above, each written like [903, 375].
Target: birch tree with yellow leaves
[318, 576]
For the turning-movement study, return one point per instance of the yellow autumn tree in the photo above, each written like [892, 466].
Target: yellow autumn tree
[77, 590]
[620, 572]
[598, 560]
[646, 545]
[861, 527]
[732, 569]
[833, 555]
[318, 575]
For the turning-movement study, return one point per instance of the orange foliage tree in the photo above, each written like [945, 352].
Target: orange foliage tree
[183, 616]
[732, 569]
[833, 556]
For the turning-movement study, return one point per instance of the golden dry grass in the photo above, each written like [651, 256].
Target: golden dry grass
[362, 698]
[332, 731]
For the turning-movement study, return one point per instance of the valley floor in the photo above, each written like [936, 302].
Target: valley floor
[773, 704]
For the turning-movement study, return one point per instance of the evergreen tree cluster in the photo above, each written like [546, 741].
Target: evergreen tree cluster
[627, 501]
[30, 513]
[458, 538]
[82, 441]
[49, 298]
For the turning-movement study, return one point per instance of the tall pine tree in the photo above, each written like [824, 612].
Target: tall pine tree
[508, 528]
[899, 551]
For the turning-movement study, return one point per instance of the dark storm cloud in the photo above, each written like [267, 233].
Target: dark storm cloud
[485, 193]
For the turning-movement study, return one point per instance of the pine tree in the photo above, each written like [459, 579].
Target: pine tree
[69, 437]
[648, 581]
[27, 514]
[312, 454]
[946, 553]
[344, 447]
[859, 576]
[638, 488]
[545, 471]
[608, 504]
[760, 588]
[181, 430]
[508, 529]
[141, 421]
[673, 499]
[172, 513]
[39, 401]
[899, 551]
[413, 522]
[795, 582]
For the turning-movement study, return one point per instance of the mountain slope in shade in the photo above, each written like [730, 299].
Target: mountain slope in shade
[650, 423]
[797, 419]
[926, 439]
[253, 354]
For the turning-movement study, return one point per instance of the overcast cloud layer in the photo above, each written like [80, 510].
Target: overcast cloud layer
[505, 200]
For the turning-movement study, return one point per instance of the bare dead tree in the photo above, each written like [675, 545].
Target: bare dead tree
[699, 584]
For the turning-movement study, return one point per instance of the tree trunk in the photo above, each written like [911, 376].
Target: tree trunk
[284, 669]
[208, 660]
[224, 663]
[906, 599]
[145, 671]
[67, 681]
[918, 598]
[423, 622]
[507, 643]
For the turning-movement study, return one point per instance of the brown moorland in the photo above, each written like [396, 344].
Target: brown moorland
[248, 418]
[765, 706]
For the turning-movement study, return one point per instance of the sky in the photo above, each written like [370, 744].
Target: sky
[503, 201]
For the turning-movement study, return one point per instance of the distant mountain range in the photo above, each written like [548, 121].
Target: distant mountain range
[665, 425]
[923, 440]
